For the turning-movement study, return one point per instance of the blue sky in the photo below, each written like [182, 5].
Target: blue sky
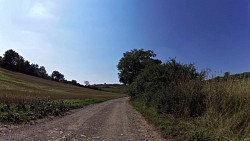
[84, 39]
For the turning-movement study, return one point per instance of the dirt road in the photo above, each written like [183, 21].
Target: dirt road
[113, 120]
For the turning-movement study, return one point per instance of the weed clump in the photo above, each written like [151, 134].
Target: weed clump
[23, 110]
[30, 110]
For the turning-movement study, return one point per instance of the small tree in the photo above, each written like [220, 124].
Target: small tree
[57, 76]
[86, 83]
[74, 82]
[227, 75]
[43, 72]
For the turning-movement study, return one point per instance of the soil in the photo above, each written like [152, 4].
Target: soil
[114, 120]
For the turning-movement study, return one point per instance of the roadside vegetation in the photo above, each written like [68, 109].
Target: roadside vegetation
[182, 103]
[24, 97]
[27, 110]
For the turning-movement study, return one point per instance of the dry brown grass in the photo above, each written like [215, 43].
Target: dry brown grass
[15, 86]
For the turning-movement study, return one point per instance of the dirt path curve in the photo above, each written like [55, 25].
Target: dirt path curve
[113, 120]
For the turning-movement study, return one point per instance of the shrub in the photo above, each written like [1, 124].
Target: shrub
[172, 88]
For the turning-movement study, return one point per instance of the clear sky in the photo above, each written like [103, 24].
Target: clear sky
[84, 39]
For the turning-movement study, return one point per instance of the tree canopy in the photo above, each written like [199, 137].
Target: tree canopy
[11, 60]
[133, 62]
[57, 76]
[86, 83]
[1, 60]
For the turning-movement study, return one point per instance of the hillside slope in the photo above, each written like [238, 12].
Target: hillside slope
[20, 86]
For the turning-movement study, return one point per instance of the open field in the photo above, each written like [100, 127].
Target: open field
[14, 86]
[24, 98]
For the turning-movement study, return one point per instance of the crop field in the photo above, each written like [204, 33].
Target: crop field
[16, 86]
[24, 97]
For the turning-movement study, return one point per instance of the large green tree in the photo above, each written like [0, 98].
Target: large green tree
[133, 62]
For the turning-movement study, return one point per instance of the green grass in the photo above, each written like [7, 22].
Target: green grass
[4, 77]
[162, 122]
[174, 128]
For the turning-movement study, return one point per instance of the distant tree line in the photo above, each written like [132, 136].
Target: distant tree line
[234, 77]
[240, 75]
[12, 61]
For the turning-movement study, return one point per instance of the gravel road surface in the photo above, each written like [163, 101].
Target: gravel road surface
[113, 120]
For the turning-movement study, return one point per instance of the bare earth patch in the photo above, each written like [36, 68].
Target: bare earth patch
[113, 120]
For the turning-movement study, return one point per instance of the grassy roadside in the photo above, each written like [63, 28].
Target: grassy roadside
[177, 129]
[39, 108]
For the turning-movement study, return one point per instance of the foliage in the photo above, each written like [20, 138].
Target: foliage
[175, 128]
[15, 62]
[43, 73]
[11, 60]
[1, 58]
[133, 62]
[74, 82]
[172, 88]
[244, 75]
[23, 111]
[199, 109]
[57, 76]
[86, 83]
[24, 98]
[228, 106]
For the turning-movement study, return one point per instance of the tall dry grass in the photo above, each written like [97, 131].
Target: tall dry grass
[228, 108]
